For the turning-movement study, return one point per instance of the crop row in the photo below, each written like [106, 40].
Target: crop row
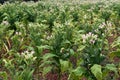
[60, 41]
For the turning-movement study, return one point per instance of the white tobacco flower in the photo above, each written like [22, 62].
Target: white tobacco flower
[5, 23]
[95, 36]
[92, 41]
[26, 52]
[84, 38]
[102, 25]
[18, 33]
[32, 52]
[28, 55]
[90, 37]
[109, 24]
[49, 37]
[90, 33]
[96, 30]
[103, 34]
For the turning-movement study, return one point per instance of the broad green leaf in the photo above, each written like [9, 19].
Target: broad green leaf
[72, 52]
[48, 55]
[79, 71]
[81, 47]
[48, 62]
[64, 65]
[81, 31]
[96, 70]
[46, 70]
[66, 42]
[41, 48]
[111, 67]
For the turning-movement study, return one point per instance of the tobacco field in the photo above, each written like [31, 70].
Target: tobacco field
[60, 40]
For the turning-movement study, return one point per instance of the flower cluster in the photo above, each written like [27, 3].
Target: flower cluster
[106, 28]
[28, 55]
[101, 26]
[89, 37]
[109, 24]
[5, 23]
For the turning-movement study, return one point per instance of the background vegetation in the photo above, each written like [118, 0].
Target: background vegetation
[60, 40]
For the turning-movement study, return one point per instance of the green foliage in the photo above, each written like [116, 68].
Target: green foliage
[81, 40]
[64, 65]
[3, 75]
[111, 67]
[97, 71]
[77, 73]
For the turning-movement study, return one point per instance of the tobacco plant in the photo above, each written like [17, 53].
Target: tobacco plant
[48, 38]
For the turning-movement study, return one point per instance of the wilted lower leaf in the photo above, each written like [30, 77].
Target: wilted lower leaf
[96, 70]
